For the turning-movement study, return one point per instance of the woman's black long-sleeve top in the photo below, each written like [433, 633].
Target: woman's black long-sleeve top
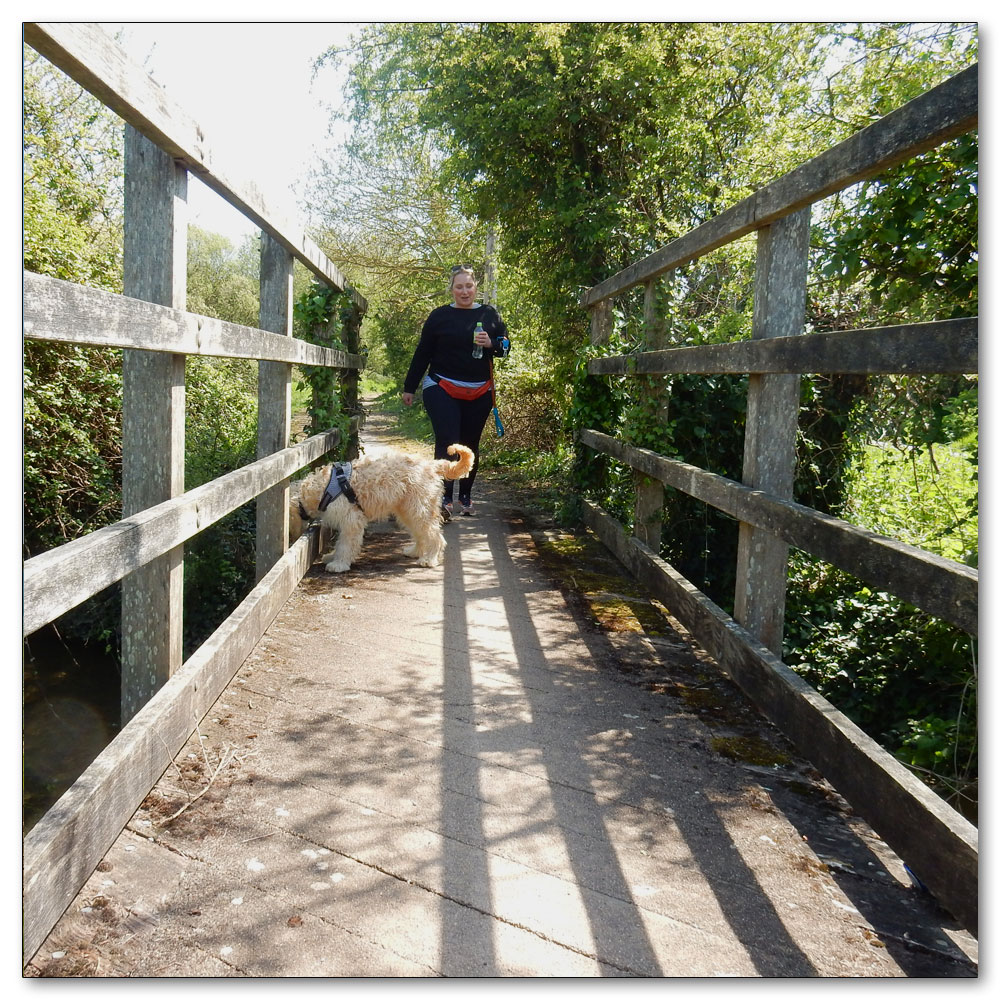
[445, 345]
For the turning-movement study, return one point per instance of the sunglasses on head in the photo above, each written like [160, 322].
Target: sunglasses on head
[461, 267]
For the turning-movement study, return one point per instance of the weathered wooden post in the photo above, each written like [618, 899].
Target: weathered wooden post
[274, 400]
[648, 513]
[771, 425]
[155, 269]
[600, 322]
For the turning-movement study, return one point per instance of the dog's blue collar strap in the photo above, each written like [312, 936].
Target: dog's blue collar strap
[340, 476]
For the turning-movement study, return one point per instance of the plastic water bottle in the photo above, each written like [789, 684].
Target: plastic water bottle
[477, 351]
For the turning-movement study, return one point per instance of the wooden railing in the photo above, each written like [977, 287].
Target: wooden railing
[934, 839]
[163, 699]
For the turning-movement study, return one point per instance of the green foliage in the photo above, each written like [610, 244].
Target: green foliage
[530, 406]
[222, 282]
[220, 417]
[584, 144]
[596, 403]
[705, 427]
[826, 438]
[907, 679]
[907, 248]
[72, 230]
[220, 436]
[73, 153]
[71, 442]
[219, 572]
[927, 498]
[220, 431]
[320, 314]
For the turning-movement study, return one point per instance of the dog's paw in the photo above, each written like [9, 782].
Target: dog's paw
[410, 550]
[333, 566]
[431, 562]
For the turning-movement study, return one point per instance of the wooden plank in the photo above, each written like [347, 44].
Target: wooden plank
[932, 838]
[87, 54]
[64, 312]
[62, 578]
[153, 417]
[65, 846]
[940, 587]
[948, 346]
[274, 400]
[948, 110]
[600, 323]
[772, 422]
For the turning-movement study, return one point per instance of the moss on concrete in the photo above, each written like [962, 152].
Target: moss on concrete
[581, 563]
[750, 750]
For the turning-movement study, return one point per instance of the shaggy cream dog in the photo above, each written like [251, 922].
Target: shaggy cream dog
[394, 483]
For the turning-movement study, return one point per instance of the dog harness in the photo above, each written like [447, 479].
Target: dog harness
[340, 476]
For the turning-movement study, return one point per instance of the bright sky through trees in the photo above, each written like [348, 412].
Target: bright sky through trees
[250, 86]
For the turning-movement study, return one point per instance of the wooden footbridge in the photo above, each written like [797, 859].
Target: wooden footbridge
[447, 773]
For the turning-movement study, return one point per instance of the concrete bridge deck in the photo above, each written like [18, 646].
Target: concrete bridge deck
[454, 772]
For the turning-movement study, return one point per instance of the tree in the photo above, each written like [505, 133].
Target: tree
[390, 223]
[72, 166]
[72, 218]
[223, 282]
[586, 144]
[73, 210]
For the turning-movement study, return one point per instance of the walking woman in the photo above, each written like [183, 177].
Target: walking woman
[453, 365]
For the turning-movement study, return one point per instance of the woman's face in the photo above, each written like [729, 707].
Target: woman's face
[463, 290]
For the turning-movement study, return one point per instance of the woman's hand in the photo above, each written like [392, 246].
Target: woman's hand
[482, 338]
[408, 398]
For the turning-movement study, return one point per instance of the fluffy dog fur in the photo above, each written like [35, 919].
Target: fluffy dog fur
[391, 483]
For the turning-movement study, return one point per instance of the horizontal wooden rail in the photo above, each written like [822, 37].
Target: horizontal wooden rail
[62, 578]
[86, 53]
[945, 347]
[938, 586]
[65, 846]
[65, 312]
[934, 840]
[948, 110]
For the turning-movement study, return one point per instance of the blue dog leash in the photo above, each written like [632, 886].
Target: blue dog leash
[496, 413]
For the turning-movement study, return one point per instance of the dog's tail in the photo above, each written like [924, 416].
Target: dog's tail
[462, 466]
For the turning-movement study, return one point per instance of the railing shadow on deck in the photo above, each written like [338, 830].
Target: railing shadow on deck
[751, 915]
[939, 843]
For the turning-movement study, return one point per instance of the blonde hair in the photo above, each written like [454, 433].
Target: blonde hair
[460, 269]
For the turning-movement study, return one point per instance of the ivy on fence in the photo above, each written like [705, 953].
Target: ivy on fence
[321, 314]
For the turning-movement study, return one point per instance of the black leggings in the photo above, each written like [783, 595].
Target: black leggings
[457, 421]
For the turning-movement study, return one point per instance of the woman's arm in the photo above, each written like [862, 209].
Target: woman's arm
[421, 359]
